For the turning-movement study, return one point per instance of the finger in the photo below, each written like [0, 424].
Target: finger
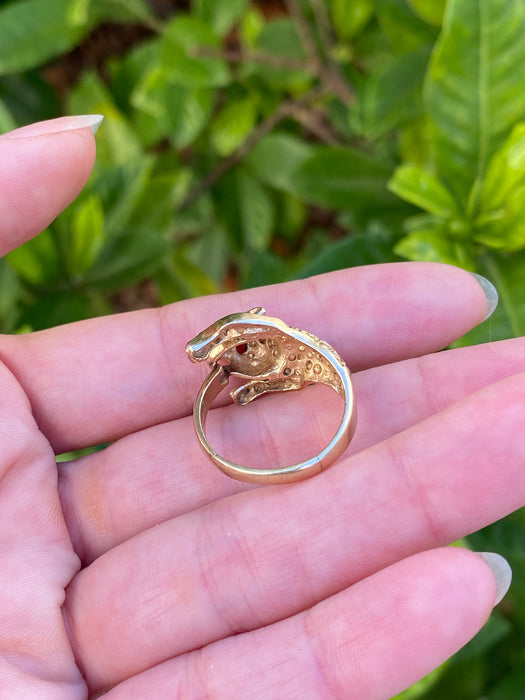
[367, 643]
[42, 169]
[159, 473]
[37, 560]
[262, 555]
[131, 371]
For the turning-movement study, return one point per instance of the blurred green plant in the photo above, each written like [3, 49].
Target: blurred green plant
[249, 142]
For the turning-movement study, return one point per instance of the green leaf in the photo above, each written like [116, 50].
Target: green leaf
[149, 94]
[341, 178]
[464, 681]
[127, 259]
[506, 273]
[184, 39]
[430, 10]
[58, 308]
[75, 454]
[423, 189]
[179, 279]
[419, 689]
[246, 210]
[78, 12]
[277, 157]
[510, 687]
[266, 268]
[133, 11]
[432, 245]
[221, 15]
[119, 190]
[391, 95]
[28, 98]
[350, 16]
[414, 143]
[232, 125]
[368, 248]
[208, 250]
[500, 223]
[200, 215]
[156, 205]
[9, 291]
[506, 171]
[256, 211]
[87, 235]
[34, 31]
[92, 12]
[405, 30]
[506, 230]
[292, 216]
[117, 142]
[180, 113]
[279, 38]
[7, 123]
[188, 113]
[495, 629]
[341, 118]
[251, 25]
[36, 262]
[475, 86]
[129, 70]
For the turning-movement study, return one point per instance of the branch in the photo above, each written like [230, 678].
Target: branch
[329, 71]
[325, 29]
[227, 164]
[285, 109]
[313, 121]
[332, 79]
[240, 56]
[329, 75]
[303, 29]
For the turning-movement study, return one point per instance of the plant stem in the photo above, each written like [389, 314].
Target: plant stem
[284, 110]
[325, 31]
[327, 74]
[313, 121]
[240, 56]
[225, 165]
[303, 30]
[329, 71]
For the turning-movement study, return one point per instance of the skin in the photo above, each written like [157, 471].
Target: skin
[143, 572]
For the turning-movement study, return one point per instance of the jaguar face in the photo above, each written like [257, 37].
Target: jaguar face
[213, 343]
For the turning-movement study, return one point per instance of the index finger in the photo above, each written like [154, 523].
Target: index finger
[97, 380]
[42, 169]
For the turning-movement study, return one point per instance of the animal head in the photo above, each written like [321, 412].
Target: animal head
[230, 332]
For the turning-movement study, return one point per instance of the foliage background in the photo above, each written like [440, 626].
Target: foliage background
[249, 142]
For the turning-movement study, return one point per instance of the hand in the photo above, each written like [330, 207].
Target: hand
[142, 572]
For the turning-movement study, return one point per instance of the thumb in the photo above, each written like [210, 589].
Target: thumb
[42, 169]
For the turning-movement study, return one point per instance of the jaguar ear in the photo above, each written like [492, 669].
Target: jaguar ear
[257, 310]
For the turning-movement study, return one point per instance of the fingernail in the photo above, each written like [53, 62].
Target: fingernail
[55, 126]
[500, 567]
[490, 291]
[96, 121]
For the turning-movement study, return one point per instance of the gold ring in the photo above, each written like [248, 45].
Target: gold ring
[273, 357]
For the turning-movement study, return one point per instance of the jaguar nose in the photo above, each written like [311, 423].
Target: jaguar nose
[196, 352]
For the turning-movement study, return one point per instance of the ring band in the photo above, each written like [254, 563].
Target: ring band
[273, 357]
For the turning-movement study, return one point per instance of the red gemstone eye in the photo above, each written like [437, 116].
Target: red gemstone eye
[241, 349]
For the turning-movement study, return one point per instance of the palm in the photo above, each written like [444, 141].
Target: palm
[194, 585]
